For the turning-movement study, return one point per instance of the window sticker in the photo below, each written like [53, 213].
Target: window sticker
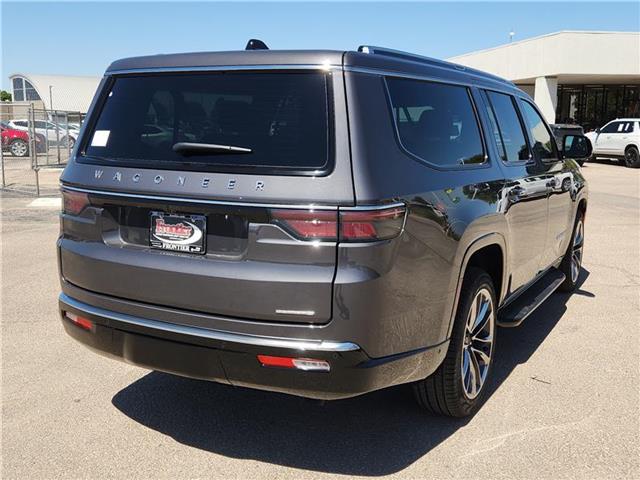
[100, 138]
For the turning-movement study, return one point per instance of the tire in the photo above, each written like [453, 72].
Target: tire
[572, 260]
[632, 157]
[68, 140]
[450, 389]
[19, 148]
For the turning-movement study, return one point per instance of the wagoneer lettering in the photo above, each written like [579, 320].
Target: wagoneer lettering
[413, 207]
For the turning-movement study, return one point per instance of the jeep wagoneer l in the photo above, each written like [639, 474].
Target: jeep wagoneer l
[320, 223]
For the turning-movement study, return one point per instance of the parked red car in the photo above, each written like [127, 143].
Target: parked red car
[17, 141]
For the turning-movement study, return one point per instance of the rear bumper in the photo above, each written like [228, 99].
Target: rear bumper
[232, 358]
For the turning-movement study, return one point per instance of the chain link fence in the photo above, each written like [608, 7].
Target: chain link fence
[36, 144]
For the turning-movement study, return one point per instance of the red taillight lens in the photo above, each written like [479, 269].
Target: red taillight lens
[74, 202]
[308, 224]
[371, 225]
[306, 364]
[82, 322]
[360, 225]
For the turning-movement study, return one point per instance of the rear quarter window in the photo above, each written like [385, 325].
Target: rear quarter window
[436, 122]
[282, 119]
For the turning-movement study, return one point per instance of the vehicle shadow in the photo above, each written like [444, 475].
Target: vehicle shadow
[376, 434]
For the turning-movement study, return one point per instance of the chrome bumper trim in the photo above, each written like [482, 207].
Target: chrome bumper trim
[294, 344]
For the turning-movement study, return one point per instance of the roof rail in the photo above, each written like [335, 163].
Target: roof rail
[389, 52]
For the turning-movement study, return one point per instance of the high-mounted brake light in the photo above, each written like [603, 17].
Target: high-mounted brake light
[371, 225]
[82, 322]
[74, 203]
[306, 364]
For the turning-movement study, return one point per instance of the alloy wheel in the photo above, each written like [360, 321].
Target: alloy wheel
[576, 251]
[477, 346]
[19, 149]
[631, 157]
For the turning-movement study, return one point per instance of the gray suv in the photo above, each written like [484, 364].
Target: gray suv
[319, 223]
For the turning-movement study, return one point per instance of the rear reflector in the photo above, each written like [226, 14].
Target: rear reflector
[307, 364]
[74, 203]
[79, 321]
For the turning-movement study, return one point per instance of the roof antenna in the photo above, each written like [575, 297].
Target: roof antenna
[255, 44]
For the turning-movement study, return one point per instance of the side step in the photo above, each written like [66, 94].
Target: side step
[514, 313]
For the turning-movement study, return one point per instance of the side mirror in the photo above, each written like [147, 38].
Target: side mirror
[597, 130]
[577, 147]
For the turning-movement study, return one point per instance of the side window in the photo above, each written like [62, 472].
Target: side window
[610, 128]
[628, 127]
[543, 144]
[510, 138]
[436, 122]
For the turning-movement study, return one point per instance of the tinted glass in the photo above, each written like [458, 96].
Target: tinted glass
[543, 145]
[610, 128]
[436, 122]
[281, 117]
[508, 133]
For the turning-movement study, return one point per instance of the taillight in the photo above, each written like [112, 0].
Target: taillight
[361, 225]
[371, 225]
[308, 224]
[74, 202]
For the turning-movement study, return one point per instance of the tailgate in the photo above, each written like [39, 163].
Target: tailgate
[252, 266]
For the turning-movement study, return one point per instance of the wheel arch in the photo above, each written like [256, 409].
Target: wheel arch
[488, 252]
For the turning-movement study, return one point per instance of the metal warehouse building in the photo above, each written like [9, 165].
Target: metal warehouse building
[54, 92]
[586, 78]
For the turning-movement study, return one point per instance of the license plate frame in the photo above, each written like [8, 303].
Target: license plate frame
[184, 233]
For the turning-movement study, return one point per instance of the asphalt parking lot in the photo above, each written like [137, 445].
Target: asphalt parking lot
[565, 401]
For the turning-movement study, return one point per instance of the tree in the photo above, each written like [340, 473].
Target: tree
[5, 96]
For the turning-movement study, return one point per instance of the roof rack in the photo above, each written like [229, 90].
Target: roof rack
[389, 52]
[399, 54]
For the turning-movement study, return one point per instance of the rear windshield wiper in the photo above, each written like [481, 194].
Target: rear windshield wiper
[190, 148]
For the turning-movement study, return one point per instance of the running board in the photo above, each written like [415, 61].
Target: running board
[516, 312]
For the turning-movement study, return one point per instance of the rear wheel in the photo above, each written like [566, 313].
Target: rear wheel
[458, 386]
[19, 148]
[572, 261]
[632, 157]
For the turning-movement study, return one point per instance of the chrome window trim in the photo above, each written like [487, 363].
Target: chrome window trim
[430, 78]
[218, 68]
[311, 345]
[374, 207]
[164, 198]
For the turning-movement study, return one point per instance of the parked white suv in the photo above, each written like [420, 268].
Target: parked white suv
[51, 131]
[620, 138]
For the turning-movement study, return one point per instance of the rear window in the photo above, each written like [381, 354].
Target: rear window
[436, 122]
[274, 122]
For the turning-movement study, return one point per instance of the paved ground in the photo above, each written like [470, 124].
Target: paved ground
[565, 403]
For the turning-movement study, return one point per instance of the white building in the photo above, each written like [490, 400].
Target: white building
[54, 92]
[584, 77]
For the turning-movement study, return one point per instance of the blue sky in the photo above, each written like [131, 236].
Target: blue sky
[82, 38]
